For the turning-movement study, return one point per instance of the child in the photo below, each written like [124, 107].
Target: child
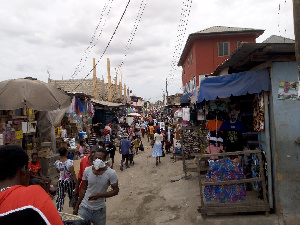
[132, 151]
[137, 143]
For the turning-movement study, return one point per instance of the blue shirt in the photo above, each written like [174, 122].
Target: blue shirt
[125, 144]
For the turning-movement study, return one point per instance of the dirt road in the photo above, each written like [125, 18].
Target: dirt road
[148, 196]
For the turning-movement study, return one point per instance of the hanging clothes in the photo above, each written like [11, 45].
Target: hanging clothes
[213, 148]
[79, 107]
[258, 113]
[186, 114]
[232, 135]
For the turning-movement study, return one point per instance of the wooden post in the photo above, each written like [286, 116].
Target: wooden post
[125, 92]
[120, 90]
[109, 97]
[115, 86]
[95, 81]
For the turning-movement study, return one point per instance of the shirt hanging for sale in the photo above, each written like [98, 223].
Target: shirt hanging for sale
[213, 126]
[186, 114]
[232, 135]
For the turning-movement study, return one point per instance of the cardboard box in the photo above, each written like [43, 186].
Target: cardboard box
[44, 153]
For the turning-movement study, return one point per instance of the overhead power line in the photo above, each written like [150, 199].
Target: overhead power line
[134, 30]
[93, 42]
[181, 31]
[106, 45]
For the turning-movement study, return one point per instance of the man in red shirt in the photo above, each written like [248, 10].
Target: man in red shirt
[36, 176]
[84, 163]
[20, 204]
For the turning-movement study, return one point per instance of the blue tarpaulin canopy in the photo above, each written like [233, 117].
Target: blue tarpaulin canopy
[185, 98]
[235, 84]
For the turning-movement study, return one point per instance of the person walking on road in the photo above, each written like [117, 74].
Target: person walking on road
[157, 149]
[96, 180]
[151, 132]
[125, 144]
[84, 163]
[67, 178]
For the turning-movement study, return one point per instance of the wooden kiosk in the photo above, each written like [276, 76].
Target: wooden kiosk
[251, 204]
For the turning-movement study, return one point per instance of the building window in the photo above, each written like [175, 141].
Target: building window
[191, 58]
[223, 48]
[188, 62]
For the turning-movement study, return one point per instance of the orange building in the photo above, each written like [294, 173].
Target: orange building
[206, 49]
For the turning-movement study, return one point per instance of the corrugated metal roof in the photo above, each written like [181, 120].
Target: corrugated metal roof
[106, 103]
[216, 30]
[249, 55]
[278, 39]
[222, 29]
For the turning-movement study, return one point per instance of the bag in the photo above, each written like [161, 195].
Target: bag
[141, 147]
[152, 142]
[73, 201]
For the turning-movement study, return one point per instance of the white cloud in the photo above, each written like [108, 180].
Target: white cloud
[52, 34]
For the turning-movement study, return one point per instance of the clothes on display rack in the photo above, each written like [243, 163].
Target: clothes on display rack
[222, 170]
[232, 135]
[214, 147]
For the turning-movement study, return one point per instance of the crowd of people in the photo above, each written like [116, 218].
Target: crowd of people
[88, 190]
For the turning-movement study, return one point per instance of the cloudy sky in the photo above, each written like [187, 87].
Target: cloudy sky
[55, 35]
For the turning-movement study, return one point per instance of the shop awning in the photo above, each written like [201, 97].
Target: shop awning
[185, 98]
[235, 84]
[106, 103]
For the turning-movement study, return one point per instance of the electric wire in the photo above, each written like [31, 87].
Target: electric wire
[134, 30]
[111, 38]
[182, 27]
[92, 44]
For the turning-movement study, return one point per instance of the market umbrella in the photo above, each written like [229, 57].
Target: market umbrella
[134, 114]
[37, 95]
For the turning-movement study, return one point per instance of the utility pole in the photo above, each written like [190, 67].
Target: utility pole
[166, 91]
[109, 97]
[95, 80]
[296, 12]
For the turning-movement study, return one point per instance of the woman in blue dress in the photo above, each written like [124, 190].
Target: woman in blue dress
[157, 149]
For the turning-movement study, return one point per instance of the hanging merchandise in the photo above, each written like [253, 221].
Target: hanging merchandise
[258, 113]
[186, 114]
[217, 105]
[193, 139]
[92, 111]
[232, 133]
[72, 107]
[79, 107]
[214, 147]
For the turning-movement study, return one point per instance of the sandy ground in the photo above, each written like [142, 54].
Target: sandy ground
[147, 194]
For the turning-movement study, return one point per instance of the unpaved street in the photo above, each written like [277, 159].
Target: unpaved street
[147, 195]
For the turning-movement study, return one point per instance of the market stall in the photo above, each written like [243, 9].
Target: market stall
[193, 143]
[21, 102]
[225, 191]
[234, 107]
[23, 105]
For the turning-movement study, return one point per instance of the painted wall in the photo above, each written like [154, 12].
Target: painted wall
[205, 54]
[285, 129]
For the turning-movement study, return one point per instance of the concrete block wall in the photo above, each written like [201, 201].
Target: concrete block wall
[86, 86]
